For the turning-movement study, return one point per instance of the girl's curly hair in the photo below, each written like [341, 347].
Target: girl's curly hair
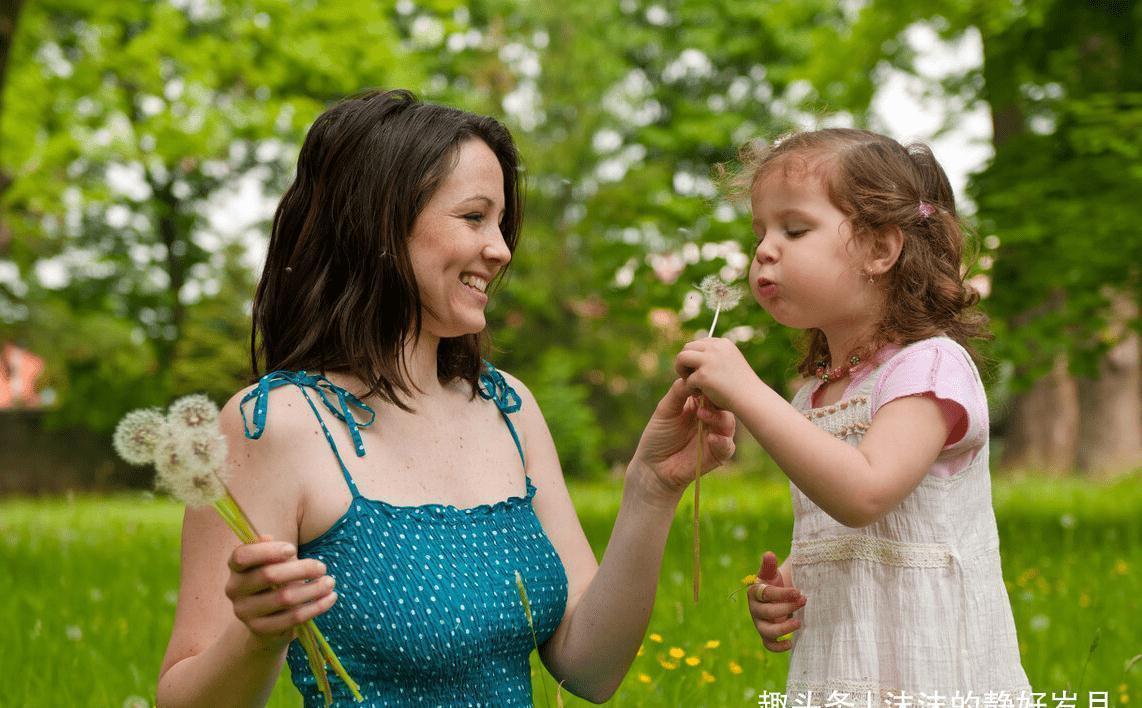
[879, 184]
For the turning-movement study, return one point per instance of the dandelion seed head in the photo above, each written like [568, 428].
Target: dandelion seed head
[189, 463]
[193, 411]
[719, 295]
[137, 435]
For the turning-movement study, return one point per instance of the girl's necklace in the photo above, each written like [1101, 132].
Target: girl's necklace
[824, 373]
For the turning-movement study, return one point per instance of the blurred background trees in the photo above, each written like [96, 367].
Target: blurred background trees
[144, 143]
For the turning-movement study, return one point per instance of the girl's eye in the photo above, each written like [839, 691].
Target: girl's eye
[793, 233]
[474, 217]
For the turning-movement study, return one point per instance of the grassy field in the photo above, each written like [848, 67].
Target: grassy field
[88, 586]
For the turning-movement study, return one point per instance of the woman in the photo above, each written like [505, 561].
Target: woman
[401, 216]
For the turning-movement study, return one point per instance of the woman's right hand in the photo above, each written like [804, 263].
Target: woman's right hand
[273, 591]
[772, 604]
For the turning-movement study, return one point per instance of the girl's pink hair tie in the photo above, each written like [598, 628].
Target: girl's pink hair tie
[926, 210]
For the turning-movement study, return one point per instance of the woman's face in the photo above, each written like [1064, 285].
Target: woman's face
[456, 246]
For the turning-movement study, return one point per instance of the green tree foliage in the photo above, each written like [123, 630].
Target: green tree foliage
[1057, 204]
[126, 124]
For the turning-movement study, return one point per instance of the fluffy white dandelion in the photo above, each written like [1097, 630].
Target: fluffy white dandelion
[137, 435]
[189, 464]
[719, 296]
[193, 411]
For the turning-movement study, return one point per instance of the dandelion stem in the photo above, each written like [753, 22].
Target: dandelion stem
[317, 649]
[698, 485]
[338, 669]
[717, 311]
[531, 625]
[697, 498]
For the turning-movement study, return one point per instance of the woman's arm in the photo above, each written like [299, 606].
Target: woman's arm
[609, 605]
[214, 658]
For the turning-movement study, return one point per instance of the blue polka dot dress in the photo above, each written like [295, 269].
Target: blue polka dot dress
[428, 611]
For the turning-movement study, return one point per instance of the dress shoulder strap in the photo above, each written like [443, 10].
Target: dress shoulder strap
[341, 407]
[495, 388]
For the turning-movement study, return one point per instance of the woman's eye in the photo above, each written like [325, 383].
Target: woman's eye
[474, 217]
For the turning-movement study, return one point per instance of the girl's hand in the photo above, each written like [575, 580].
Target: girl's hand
[771, 605]
[715, 367]
[273, 591]
[668, 449]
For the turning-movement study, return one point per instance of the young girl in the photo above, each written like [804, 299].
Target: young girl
[893, 585]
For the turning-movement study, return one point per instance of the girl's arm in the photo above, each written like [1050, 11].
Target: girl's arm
[213, 658]
[854, 485]
[609, 604]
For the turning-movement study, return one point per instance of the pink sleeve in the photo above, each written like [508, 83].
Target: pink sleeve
[939, 368]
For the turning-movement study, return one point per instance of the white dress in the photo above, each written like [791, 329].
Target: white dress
[913, 604]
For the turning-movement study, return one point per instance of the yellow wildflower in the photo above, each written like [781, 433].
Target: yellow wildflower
[668, 665]
[749, 580]
[693, 661]
[1084, 600]
[677, 652]
[1120, 567]
[644, 678]
[640, 650]
[707, 677]
[655, 637]
[735, 668]
[713, 644]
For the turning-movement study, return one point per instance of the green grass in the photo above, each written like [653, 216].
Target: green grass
[87, 591]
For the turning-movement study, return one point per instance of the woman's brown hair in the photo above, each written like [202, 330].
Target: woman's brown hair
[880, 184]
[338, 293]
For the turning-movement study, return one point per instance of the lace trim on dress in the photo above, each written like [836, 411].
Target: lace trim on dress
[870, 548]
[843, 418]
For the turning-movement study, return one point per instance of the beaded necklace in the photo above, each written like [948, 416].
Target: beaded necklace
[824, 373]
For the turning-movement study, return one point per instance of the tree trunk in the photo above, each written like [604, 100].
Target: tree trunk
[1110, 428]
[1042, 430]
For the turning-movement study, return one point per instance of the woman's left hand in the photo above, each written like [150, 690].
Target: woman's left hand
[668, 449]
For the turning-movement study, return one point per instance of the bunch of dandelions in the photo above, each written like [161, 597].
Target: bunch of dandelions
[718, 296]
[189, 455]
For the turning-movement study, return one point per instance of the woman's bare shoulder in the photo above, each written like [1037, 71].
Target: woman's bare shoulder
[269, 438]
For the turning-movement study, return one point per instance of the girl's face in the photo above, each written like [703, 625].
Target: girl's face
[456, 246]
[807, 270]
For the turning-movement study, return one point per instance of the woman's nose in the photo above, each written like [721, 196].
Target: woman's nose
[496, 249]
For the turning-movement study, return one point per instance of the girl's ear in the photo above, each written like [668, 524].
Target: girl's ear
[885, 251]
